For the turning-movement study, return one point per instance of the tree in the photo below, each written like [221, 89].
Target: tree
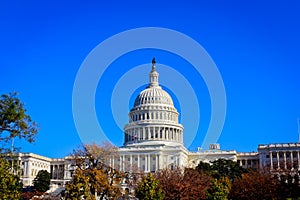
[222, 167]
[14, 122]
[10, 185]
[179, 184]
[254, 185]
[93, 169]
[219, 189]
[288, 185]
[78, 188]
[148, 189]
[42, 181]
[170, 181]
[196, 184]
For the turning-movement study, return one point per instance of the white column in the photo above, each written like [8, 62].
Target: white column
[292, 161]
[131, 162]
[156, 162]
[298, 157]
[159, 133]
[26, 169]
[271, 160]
[284, 159]
[278, 163]
[146, 163]
[160, 164]
[241, 162]
[138, 161]
[167, 133]
[122, 163]
[149, 163]
[261, 161]
[146, 133]
[181, 136]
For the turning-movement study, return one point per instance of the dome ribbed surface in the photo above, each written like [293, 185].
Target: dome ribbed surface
[153, 95]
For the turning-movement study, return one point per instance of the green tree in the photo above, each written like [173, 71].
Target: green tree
[222, 167]
[148, 189]
[42, 181]
[204, 167]
[14, 122]
[10, 185]
[219, 189]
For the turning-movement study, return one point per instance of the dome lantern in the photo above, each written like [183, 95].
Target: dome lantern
[153, 75]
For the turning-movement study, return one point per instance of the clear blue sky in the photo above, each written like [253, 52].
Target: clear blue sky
[255, 45]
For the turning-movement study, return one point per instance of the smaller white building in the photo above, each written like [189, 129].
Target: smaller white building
[248, 159]
[61, 170]
[213, 153]
[279, 156]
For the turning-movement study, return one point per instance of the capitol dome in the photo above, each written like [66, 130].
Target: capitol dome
[153, 95]
[153, 116]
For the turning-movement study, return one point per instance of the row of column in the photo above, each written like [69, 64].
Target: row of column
[285, 162]
[163, 115]
[145, 162]
[153, 133]
[246, 163]
[57, 171]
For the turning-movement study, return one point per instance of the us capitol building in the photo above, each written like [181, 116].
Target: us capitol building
[153, 140]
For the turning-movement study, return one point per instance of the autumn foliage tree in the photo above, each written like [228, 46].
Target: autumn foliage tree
[183, 184]
[254, 185]
[94, 176]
